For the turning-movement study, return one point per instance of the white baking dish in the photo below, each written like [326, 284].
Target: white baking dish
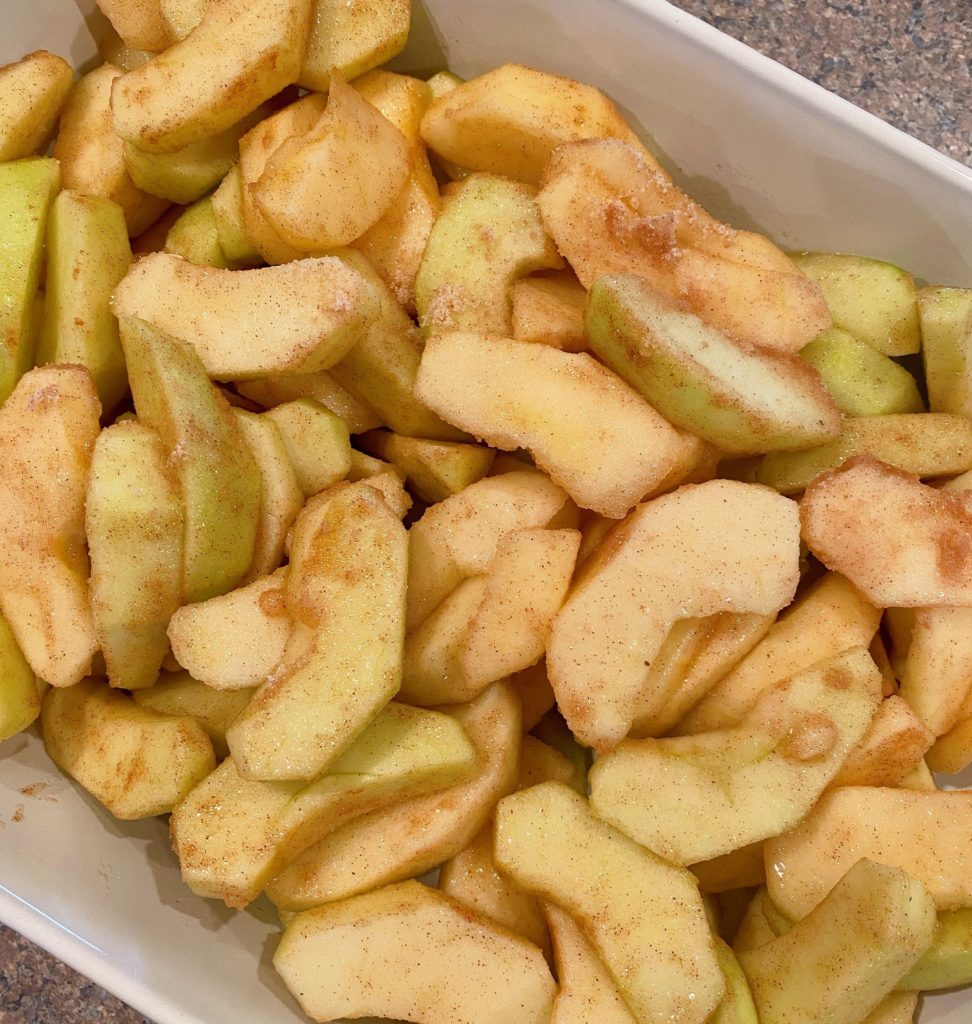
[759, 145]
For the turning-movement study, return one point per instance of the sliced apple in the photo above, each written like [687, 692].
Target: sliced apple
[643, 916]
[20, 696]
[27, 189]
[32, 93]
[346, 590]
[548, 309]
[234, 641]
[705, 548]
[194, 237]
[458, 538]
[925, 834]
[227, 205]
[948, 960]
[233, 835]
[48, 427]
[535, 692]
[87, 255]
[135, 526]
[741, 400]
[946, 347]
[137, 762]
[239, 55]
[594, 435]
[831, 617]
[901, 543]
[895, 743]
[92, 156]
[317, 442]
[138, 22]
[380, 954]
[297, 318]
[411, 837]
[487, 236]
[952, 753]
[282, 496]
[692, 798]
[738, 869]
[326, 187]
[510, 120]
[862, 938]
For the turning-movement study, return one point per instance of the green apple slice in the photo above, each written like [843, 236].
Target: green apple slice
[946, 347]
[195, 236]
[20, 698]
[742, 400]
[317, 442]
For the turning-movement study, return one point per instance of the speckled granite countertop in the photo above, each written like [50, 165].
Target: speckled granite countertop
[921, 82]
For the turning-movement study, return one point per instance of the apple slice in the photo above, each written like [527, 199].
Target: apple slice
[861, 939]
[219, 477]
[227, 204]
[138, 22]
[240, 54]
[926, 834]
[327, 187]
[548, 309]
[194, 236]
[48, 428]
[643, 916]
[946, 347]
[594, 435]
[706, 548]
[741, 400]
[411, 837]
[587, 991]
[692, 798]
[952, 753]
[234, 641]
[947, 962]
[87, 255]
[342, 664]
[901, 543]
[317, 442]
[233, 835]
[135, 525]
[487, 235]
[893, 745]
[511, 119]
[20, 695]
[535, 692]
[32, 93]
[831, 617]
[739, 869]
[297, 318]
[380, 954]
[137, 762]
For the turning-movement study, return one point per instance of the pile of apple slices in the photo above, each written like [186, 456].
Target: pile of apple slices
[377, 450]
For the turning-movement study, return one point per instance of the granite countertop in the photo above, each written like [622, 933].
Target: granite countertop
[921, 82]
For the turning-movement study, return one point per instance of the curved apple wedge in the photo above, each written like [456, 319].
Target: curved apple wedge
[32, 92]
[296, 318]
[381, 955]
[48, 427]
[232, 836]
[20, 694]
[240, 54]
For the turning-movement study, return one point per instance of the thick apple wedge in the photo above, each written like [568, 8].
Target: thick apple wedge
[948, 960]
[594, 435]
[239, 55]
[48, 427]
[587, 992]
[195, 237]
[220, 480]
[326, 187]
[317, 441]
[487, 235]
[234, 641]
[929, 835]
[511, 119]
[342, 663]
[742, 400]
[137, 762]
[88, 253]
[296, 318]
[27, 189]
[380, 954]
[134, 520]
[901, 543]
[139, 23]
[706, 548]
[831, 617]
[840, 962]
[20, 694]
[946, 347]
[548, 309]
[233, 835]
[894, 745]
[643, 916]
[32, 92]
[410, 837]
[458, 537]
[692, 798]
[227, 206]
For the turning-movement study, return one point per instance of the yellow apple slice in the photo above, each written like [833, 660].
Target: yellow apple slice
[380, 954]
[32, 93]
[643, 916]
[138, 22]
[20, 695]
[413, 836]
[706, 548]
[48, 428]
[548, 309]
[240, 54]
[894, 744]
[594, 435]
